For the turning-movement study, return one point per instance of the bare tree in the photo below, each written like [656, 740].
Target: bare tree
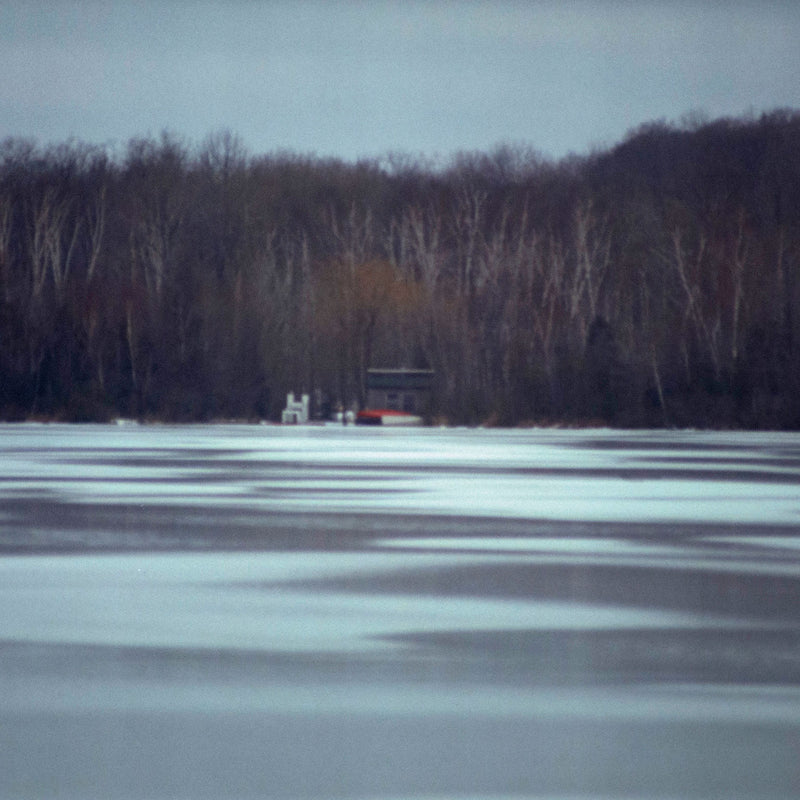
[689, 266]
[52, 239]
[467, 225]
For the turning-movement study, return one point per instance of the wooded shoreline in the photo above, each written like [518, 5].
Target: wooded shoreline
[655, 283]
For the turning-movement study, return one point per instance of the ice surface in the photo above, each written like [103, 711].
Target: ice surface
[253, 602]
[552, 475]
[326, 612]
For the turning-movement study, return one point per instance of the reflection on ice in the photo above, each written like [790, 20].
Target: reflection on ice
[761, 542]
[252, 602]
[734, 478]
[519, 544]
[685, 703]
[705, 553]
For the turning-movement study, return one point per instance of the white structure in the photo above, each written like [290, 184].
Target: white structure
[296, 411]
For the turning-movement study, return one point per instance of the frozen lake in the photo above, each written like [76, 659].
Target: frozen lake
[324, 612]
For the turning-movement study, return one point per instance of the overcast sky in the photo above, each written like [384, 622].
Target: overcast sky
[356, 79]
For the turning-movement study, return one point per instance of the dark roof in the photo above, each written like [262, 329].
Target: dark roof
[400, 379]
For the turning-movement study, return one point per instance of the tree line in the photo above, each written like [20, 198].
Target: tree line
[655, 282]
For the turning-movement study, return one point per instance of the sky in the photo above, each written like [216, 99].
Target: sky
[364, 78]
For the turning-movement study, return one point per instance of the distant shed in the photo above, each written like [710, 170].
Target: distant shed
[399, 389]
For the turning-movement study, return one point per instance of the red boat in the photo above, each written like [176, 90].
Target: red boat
[387, 416]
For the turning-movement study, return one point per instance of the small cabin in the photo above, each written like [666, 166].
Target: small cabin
[406, 390]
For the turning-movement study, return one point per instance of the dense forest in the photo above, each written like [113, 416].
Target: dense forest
[653, 283]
